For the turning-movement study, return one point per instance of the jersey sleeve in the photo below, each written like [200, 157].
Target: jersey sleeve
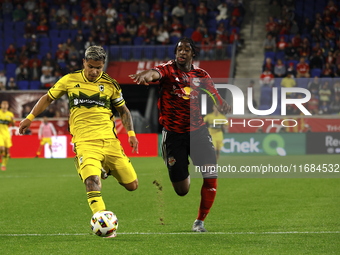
[59, 88]
[163, 69]
[209, 85]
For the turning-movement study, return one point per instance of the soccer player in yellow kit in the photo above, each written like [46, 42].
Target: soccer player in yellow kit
[217, 124]
[92, 95]
[6, 119]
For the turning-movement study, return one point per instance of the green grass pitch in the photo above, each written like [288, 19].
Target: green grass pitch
[44, 210]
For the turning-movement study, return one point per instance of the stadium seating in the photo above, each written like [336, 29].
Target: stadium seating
[23, 85]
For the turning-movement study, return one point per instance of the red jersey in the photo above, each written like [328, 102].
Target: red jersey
[179, 101]
[302, 68]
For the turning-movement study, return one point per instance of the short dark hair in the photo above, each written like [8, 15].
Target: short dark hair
[195, 49]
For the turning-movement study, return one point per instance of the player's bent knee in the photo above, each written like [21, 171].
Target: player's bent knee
[131, 186]
[93, 183]
[181, 190]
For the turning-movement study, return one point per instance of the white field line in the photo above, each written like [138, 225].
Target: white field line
[186, 233]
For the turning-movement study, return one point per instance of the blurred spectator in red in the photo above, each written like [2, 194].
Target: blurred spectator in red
[327, 18]
[302, 69]
[296, 41]
[220, 41]
[207, 48]
[86, 20]
[327, 71]
[202, 8]
[176, 28]
[61, 53]
[267, 78]
[233, 36]
[281, 44]
[142, 30]
[197, 35]
[304, 50]
[42, 29]
[99, 10]
[156, 7]
[313, 105]
[120, 27]
[11, 54]
[272, 26]
[332, 8]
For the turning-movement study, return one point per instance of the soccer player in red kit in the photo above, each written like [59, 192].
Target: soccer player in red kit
[184, 131]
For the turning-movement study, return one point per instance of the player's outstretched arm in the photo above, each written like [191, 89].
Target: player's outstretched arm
[223, 107]
[145, 77]
[125, 115]
[39, 107]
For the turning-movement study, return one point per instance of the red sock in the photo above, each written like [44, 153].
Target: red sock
[208, 193]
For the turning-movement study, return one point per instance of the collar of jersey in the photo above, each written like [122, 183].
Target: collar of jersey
[82, 73]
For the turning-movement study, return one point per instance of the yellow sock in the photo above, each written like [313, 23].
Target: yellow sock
[95, 200]
[5, 160]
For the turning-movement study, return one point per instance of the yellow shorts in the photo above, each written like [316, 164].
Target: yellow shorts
[107, 154]
[5, 141]
[217, 140]
[45, 140]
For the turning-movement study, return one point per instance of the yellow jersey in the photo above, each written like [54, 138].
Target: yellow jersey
[217, 126]
[6, 118]
[90, 104]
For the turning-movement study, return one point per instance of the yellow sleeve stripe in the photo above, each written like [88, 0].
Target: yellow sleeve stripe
[50, 95]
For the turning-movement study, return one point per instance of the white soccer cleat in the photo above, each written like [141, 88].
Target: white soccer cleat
[198, 226]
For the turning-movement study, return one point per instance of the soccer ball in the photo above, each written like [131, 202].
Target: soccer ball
[104, 223]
